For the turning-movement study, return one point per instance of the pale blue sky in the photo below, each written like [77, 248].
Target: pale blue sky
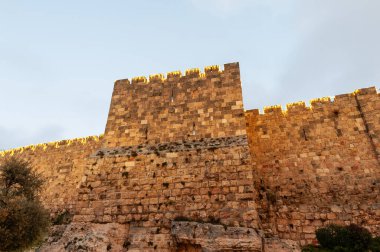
[58, 59]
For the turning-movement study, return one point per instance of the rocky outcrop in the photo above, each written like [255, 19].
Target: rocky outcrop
[80, 237]
[212, 237]
[184, 236]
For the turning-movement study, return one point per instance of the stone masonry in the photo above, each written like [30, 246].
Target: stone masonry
[182, 167]
[318, 164]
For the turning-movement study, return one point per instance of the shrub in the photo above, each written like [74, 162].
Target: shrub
[374, 246]
[330, 236]
[347, 239]
[23, 220]
[358, 238]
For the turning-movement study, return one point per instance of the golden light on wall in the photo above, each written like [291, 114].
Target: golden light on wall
[54, 145]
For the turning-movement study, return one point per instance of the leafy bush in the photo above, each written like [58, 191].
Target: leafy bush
[330, 236]
[375, 245]
[352, 238]
[358, 238]
[23, 220]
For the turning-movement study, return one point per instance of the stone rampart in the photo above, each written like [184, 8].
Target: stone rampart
[62, 164]
[318, 164]
[180, 156]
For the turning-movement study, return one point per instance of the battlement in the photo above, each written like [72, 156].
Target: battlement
[176, 107]
[209, 72]
[317, 103]
[46, 147]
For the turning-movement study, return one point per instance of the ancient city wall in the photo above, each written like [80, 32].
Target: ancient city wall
[62, 165]
[182, 166]
[318, 164]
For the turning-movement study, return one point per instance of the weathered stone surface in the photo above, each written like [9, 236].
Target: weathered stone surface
[211, 237]
[318, 164]
[170, 148]
[278, 245]
[81, 237]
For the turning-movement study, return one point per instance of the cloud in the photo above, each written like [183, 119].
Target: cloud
[337, 50]
[331, 48]
[221, 7]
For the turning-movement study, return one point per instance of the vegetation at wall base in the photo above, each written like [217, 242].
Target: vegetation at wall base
[23, 220]
[352, 238]
[63, 218]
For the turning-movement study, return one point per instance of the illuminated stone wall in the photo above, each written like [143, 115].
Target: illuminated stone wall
[318, 164]
[196, 105]
[173, 149]
[62, 164]
[180, 151]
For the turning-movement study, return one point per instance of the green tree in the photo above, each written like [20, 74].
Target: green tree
[23, 220]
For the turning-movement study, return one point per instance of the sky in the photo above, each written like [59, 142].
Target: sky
[59, 59]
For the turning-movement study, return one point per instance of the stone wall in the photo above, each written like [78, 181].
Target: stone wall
[318, 164]
[174, 149]
[196, 105]
[182, 167]
[62, 165]
[149, 186]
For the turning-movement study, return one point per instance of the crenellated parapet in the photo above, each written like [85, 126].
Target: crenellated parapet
[323, 103]
[340, 116]
[209, 72]
[46, 147]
